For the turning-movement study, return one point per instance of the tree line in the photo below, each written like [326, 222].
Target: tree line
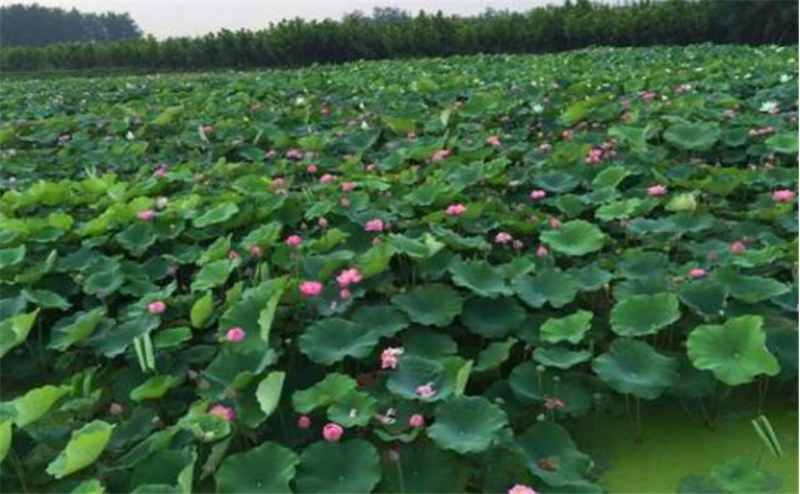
[393, 33]
[34, 25]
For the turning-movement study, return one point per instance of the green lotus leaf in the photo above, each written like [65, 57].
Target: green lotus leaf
[137, 238]
[550, 454]
[557, 181]
[5, 439]
[739, 476]
[202, 309]
[253, 312]
[12, 256]
[590, 278]
[750, 289]
[480, 277]
[112, 340]
[783, 143]
[92, 486]
[706, 298]
[34, 404]
[467, 424]
[356, 408]
[634, 367]
[267, 468]
[492, 318]
[430, 305]
[693, 137]
[560, 357]
[345, 467]
[423, 469]
[14, 330]
[549, 285]
[376, 260]
[324, 393]
[423, 342]
[155, 387]
[414, 371]
[217, 214]
[104, 283]
[494, 355]
[644, 314]
[268, 392]
[610, 177]
[172, 468]
[382, 321]
[75, 328]
[84, 448]
[735, 352]
[331, 340]
[571, 328]
[212, 275]
[216, 251]
[532, 385]
[423, 248]
[682, 202]
[46, 299]
[575, 238]
[205, 427]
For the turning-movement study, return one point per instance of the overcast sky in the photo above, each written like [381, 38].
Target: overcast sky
[163, 18]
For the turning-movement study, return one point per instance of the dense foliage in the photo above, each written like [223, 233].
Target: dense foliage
[391, 33]
[392, 276]
[34, 25]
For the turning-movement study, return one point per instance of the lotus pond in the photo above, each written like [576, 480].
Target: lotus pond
[561, 273]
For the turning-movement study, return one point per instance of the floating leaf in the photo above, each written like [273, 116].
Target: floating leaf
[560, 357]
[551, 455]
[353, 409]
[467, 424]
[633, 367]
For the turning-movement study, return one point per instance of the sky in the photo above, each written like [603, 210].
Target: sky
[164, 18]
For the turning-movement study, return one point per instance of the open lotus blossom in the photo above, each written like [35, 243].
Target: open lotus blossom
[538, 194]
[349, 277]
[648, 95]
[416, 421]
[522, 489]
[738, 247]
[440, 155]
[503, 238]
[294, 241]
[156, 307]
[310, 288]
[375, 225]
[146, 215]
[226, 413]
[770, 107]
[426, 390]
[456, 210]
[235, 335]
[784, 195]
[327, 178]
[697, 273]
[349, 186]
[657, 190]
[493, 141]
[390, 356]
[294, 154]
[332, 432]
[594, 156]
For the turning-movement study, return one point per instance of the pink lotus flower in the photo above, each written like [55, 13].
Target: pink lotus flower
[521, 489]
[207, 129]
[160, 172]
[256, 251]
[503, 238]
[440, 155]
[278, 183]
[784, 195]
[235, 335]
[146, 215]
[456, 210]
[332, 432]
[493, 141]
[294, 154]
[697, 273]
[416, 421]
[349, 277]
[311, 169]
[310, 288]
[375, 225]
[648, 95]
[294, 241]
[538, 194]
[738, 247]
[425, 390]
[567, 134]
[555, 223]
[327, 178]
[411, 135]
[542, 251]
[390, 357]
[345, 294]
[348, 186]
[552, 403]
[657, 190]
[226, 413]
[268, 155]
[156, 307]
[304, 422]
[595, 156]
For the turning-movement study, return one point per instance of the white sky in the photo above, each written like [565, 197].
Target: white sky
[163, 18]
